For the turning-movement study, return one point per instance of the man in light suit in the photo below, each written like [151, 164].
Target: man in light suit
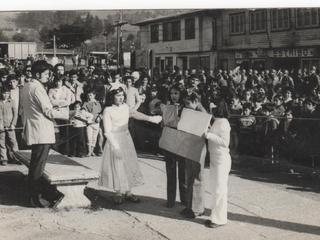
[38, 115]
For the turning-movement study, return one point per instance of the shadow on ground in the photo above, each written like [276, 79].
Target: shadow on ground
[156, 206]
[272, 173]
[13, 189]
[149, 205]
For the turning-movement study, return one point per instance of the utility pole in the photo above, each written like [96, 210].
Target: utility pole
[119, 24]
[54, 45]
[54, 60]
[104, 34]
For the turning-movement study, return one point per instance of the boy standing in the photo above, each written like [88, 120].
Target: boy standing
[94, 107]
[80, 119]
[9, 120]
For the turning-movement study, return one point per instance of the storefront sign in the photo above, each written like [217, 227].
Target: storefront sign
[257, 53]
[292, 52]
[276, 53]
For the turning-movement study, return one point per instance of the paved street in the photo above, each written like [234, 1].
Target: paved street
[262, 205]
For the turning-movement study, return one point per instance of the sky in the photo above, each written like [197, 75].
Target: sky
[149, 4]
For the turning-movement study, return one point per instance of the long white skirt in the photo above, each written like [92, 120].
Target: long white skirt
[120, 174]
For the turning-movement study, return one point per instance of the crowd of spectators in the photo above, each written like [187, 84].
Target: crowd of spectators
[273, 113]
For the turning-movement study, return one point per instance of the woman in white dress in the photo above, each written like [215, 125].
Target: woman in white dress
[220, 164]
[120, 170]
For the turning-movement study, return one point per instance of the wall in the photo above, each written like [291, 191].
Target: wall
[288, 38]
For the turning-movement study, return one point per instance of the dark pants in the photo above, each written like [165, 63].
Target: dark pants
[78, 142]
[62, 137]
[171, 169]
[39, 156]
[193, 172]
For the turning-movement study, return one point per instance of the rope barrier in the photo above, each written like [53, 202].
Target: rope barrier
[278, 117]
[21, 128]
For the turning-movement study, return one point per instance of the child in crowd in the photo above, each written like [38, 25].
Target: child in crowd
[94, 107]
[287, 132]
[75, 86]
[154, 104]
[9, 114]
[80, 119]
[267, 132]
[279, 109]
[246, 127]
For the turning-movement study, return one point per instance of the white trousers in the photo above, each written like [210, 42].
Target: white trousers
[92, 134]
[219, 173]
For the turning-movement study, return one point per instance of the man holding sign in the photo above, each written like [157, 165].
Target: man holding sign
[188, 142]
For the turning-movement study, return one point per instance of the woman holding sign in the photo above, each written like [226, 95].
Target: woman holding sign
[220, 164]
[170, 116]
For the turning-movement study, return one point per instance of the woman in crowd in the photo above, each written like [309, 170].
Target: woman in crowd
[120, 170]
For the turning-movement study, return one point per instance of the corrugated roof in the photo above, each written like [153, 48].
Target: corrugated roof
[150, 20]
[58, 51]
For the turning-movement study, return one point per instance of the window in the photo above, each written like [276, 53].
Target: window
[157, 62]
[280, 19]
[214, 34]
[171, 31]
[168, 63]
[258, 21]
[205, 62]
[190, 28]
[307, 17]
[202, 62]
[194, 63]
[154, 33]
[237, 23]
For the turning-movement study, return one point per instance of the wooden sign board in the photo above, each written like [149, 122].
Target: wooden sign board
[183, 144]
[194, 122]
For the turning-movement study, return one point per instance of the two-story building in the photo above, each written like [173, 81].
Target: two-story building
[186, 40]
[226, 38]
[270, 38]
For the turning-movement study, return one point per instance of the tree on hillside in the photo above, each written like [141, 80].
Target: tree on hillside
[3, 37]
[20, 37]
[74, 34]
[35, 20]
[50, 19]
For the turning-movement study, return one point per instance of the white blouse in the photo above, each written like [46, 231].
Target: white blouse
[219, 137]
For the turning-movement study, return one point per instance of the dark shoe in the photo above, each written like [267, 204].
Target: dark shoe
[188, 213]
[170, 204]
[184, 211]
[55, 203]
[132, 198]
[39, 202]
[4, 163]
[210, 224]
[117, 200]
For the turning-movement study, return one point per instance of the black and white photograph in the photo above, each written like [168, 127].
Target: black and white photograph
[160, 122]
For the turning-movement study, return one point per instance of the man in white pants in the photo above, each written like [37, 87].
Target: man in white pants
[220, 164]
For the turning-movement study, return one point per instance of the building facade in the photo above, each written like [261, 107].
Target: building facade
[184, 40]
[270, 38]
[227, 38]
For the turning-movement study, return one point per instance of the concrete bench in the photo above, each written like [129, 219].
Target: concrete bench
[69, 177]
